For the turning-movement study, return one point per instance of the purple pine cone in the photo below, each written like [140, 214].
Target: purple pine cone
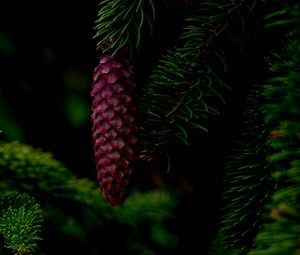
[114, 126]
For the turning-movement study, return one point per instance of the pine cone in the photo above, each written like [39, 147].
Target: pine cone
[114, 126]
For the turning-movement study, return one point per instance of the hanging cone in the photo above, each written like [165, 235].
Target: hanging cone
[114, 126]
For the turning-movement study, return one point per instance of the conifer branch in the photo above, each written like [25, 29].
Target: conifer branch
[20, 222]
[246, 183]
[54, 186]
[157, 204]
[284, 141]
[280, 232]
[284, 14]
[276, 222]
[120, 24]
[184, 89]
[28, 169]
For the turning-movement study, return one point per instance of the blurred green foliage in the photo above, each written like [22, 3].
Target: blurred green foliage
[74, 209]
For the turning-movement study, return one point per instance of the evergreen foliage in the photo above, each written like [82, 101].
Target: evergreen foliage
[20, 222]
[246, 180]
[272, 220]
[72, 207]
[185, 88]
[44, 205]
[121, 24]
[280, 233]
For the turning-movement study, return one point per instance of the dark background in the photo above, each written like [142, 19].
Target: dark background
[47, 60]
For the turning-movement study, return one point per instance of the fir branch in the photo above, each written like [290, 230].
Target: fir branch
[20, 222]
[155, 205]
[29, 170]
[280, 233]
[184, 89]
[120, 24]
[246, 183]
[69, 202]
[284, 14]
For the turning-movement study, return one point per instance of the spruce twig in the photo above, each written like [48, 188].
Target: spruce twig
[20, 222]
[280, 232]
[246, 181]
[120, 24]
[184, 89]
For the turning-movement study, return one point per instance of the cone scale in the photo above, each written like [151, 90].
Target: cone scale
[114, 127]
